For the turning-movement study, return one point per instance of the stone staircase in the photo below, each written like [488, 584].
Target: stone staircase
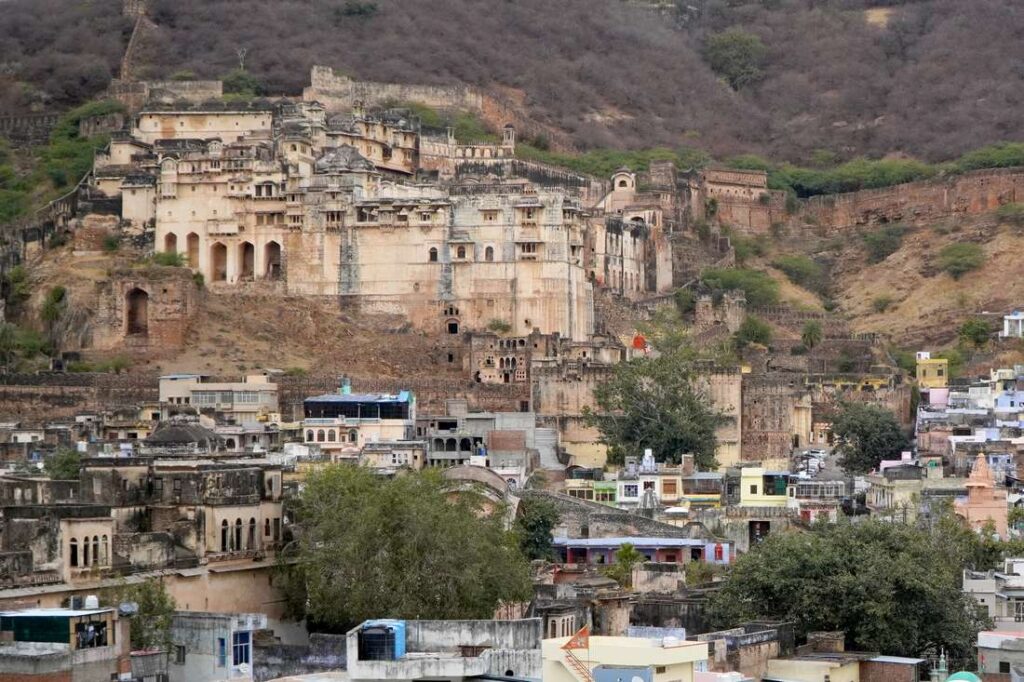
[546, 443]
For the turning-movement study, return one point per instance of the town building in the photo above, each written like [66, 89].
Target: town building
[406, 650]
[931, 372]
[342, 423]
[568, 659]
[78, 645]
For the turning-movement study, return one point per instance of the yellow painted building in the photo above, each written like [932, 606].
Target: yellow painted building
[672, 660]
[761, 488]
[932, 372]
[834, 668]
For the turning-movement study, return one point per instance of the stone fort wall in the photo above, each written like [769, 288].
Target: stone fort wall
[914, 202]
[134, 94]
[338, 91]
[28, 128]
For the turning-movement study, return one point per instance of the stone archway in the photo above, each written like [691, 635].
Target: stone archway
[192, 246]
[247, 261]
[272, 258]
[219, 262]
[171, 243]
[136, 306]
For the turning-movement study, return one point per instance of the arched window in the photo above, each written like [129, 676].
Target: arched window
[460, 252]
[623, 183]
[85, 551]
[309, 436]
[331, 436]
[321, 436]
[489, 254]
[136, 304]
[266, 528]
[353, 436]
[73, 552]
[450, 445]
[432, 257]
[104, 551]
[252, 533]
[238, 534]
[224, 536]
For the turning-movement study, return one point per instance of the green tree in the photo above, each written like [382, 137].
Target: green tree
[52, 312]
[753, 330]
[1015, 517]
[657, 403]
[685, 300]
[370, 547]
[8, 343]
[737, 56]
[63, 465]
[534, 528]
[241, 83]
[812, 334]
[883, 242]
[626, 557]
[803, 271]
[19, 288]
[959, 259]
[890, 587]
[975, 331]
[1012, 213]
[758, 287]
[866, 434]
[151, 625]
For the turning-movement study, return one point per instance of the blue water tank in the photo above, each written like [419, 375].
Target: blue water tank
[382, 640]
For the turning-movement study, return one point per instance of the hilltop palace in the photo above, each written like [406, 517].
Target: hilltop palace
[343, 194]
[387, 216]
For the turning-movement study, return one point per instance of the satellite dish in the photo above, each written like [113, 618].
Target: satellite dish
[244, 669]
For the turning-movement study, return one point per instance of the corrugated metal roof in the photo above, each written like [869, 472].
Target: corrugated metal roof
[52, 613]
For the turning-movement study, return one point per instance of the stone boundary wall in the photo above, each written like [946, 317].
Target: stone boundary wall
[134, 94]
[914, 202]
[28, 128]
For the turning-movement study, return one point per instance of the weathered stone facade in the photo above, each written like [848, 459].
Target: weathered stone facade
[913, 202]
[147, 308]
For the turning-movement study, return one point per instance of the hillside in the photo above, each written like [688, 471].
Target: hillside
[906, 295]
[811, 80]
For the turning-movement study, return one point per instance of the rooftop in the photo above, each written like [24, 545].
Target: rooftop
[52, 613]
[402, 397]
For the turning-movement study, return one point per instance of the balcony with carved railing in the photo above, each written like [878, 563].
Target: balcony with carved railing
[222, 228]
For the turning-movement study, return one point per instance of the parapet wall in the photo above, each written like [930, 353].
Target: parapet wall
[134, 94]
[914, 202]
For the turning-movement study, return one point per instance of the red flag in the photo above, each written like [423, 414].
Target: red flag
[581, 640]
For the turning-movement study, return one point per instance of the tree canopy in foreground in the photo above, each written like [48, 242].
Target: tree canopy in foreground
[891, 588]
[657, 403]
[405, 547]
[867, 434]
